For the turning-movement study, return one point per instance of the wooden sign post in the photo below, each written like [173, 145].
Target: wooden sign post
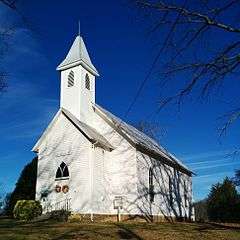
[118, 204]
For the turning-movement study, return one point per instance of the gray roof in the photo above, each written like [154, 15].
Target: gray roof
[88, 131]
[141, 139]
[78, 55]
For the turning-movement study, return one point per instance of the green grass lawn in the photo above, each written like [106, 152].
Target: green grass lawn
[11, 229]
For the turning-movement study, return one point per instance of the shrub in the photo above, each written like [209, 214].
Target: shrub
[75, 218]
[27, 209]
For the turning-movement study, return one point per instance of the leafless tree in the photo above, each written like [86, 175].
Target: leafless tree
[153, 130]
[5, 35]
[200, 41]
[10, 3]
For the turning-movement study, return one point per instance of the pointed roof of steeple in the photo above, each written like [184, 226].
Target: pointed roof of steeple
[78, 55]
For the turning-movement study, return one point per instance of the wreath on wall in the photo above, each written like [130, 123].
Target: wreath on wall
[65, 188]
[58, 188]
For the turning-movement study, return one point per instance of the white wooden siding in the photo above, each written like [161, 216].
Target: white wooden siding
[64, 143]
[119, 168]
[162, 173]
[98, 176]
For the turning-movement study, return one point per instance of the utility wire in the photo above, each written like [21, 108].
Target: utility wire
[150, 71]
[154, 63]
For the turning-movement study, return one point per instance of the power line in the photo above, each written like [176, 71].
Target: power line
[144, 80]
[153, 65]
[150, 70]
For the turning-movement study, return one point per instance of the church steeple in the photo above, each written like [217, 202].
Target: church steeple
[78, 55]
[78, 81]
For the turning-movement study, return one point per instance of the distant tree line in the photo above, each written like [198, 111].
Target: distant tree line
[222, 203]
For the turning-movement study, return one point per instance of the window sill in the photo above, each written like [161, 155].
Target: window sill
[63, 178]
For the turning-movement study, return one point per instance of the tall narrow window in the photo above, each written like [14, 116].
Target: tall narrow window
[62, 171]
[151, 186]
[170, 187]
[87, 82]
[71, 79]
[185, 193]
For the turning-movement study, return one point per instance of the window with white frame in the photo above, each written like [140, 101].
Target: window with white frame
[62, 171]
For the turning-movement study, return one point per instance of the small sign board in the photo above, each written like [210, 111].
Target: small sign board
[118, 202]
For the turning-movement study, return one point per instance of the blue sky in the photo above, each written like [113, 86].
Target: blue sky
[122, 51]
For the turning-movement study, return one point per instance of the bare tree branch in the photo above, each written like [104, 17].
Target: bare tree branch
[10, 4]
[183, 56]
[230, 117]
[191, 15]
[6, 33]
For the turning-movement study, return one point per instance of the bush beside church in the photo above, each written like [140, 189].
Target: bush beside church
[27, 209]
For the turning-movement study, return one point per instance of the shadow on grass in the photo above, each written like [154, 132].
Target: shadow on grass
[99, 232]
[10, 223]
[216, 226]
[86, 231]
[78, 233]
[126, 233]
[7, 222]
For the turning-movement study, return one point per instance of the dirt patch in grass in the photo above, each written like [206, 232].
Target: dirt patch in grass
[11, 229]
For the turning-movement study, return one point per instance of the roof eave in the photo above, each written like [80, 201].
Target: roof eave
[92, 70]
[106, 145]
[165, 157]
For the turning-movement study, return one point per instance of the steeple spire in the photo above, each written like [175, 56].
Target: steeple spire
[79, 28]
[78, 55]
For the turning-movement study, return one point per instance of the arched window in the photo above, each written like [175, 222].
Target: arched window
[71, 79]
[62, 171]
[87, 82]
[151, 186]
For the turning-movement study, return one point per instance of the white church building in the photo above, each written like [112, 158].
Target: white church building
[93, 163]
